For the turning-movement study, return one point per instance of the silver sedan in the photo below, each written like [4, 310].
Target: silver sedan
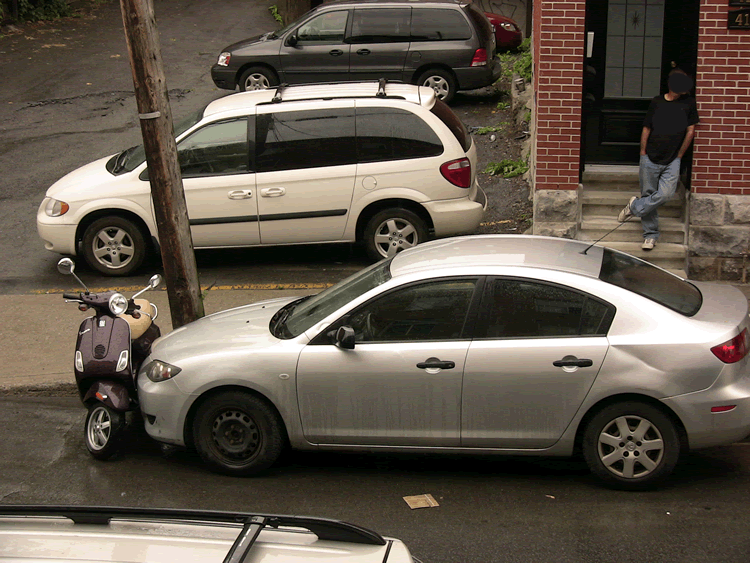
[482, 344]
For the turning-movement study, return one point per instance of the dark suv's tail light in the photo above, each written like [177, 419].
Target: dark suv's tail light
[457, 172]
[732, 350]
[480, 58]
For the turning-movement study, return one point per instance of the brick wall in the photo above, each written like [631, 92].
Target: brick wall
[722, 143]
[558, 43]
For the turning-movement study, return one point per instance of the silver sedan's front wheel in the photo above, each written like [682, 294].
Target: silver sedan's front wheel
[391, 231]
[631, 445]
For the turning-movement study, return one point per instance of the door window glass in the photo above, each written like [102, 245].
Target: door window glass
[325, 28]
[304, 139]
[394, 134]
[424, 312]
[216, 149]
[428, 24]
[380, 25]
[522, 309]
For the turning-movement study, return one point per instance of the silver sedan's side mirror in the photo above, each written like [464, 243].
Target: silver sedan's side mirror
[66, 266]
[344, 338]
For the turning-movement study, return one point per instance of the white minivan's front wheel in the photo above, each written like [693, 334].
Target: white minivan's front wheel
[392, 230]
[114, 246]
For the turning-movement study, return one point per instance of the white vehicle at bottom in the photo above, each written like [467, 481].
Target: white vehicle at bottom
[67, 534]
[386, 165]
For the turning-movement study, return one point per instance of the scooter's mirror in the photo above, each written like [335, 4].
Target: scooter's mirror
[66, 266]
[155, 281]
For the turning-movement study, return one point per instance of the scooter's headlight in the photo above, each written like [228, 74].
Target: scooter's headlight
[118, 304]
[157, 371]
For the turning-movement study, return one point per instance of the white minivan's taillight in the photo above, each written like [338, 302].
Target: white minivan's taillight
[733, 350]
[480, 58]
[457, 172]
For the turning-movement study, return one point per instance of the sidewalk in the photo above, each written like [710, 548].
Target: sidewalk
[38, 332]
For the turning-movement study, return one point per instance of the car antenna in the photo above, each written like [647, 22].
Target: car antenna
[605, 235]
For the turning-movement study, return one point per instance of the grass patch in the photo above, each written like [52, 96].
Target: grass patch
[276, 15]
[507, 168]
[491, 129]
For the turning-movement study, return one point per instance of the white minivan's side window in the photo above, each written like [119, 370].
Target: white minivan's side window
[218, 148]
[394, 134]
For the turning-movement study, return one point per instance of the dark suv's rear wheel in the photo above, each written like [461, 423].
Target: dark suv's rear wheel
[441, 81]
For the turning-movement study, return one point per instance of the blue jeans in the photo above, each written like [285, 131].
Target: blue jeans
[658, 185]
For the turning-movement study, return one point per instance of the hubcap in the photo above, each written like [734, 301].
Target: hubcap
[256, 81]
[99, 429]
[236, 435]
[113, 247]
[395, 235]
[631, 447]
[439, 84]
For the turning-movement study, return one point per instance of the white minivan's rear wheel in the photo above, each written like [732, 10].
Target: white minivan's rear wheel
[631, 445]
[392, 230]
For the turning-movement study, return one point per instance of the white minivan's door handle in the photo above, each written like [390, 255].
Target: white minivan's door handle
[240, 194]
[272, 192]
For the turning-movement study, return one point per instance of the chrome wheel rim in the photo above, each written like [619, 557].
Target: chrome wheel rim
[99, 428]
[113, 247]
[394, 235]
[236, 435]
[630, 447]
[256, 81]
[439, 84]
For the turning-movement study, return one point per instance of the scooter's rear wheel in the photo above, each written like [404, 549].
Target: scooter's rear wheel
[103, 430]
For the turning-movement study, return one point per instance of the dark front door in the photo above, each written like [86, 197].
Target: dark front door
[631, 45]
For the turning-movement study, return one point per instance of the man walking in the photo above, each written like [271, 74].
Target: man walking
[667, 132]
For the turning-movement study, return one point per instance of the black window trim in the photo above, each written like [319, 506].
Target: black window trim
[325, 337]
[483, 319]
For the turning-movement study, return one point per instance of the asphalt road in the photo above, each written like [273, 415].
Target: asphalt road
[492, 509]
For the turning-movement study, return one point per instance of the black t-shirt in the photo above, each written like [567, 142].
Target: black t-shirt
[668, 122]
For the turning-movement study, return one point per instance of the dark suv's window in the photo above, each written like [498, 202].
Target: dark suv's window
[526, 309]
[290, 140]
[438, 24]
[325, 28]
[380, 25]
[394, 134]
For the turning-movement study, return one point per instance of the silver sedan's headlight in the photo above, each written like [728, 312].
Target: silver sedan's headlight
[224, 59]
[157, 371]
[55, 208]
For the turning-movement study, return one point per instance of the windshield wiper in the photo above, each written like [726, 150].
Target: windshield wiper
[122, 159]
[278, 321]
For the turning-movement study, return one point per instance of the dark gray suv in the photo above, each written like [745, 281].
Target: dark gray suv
[442, 44]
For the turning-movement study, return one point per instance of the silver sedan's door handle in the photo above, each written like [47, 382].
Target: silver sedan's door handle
[240, 194]
[272, 192]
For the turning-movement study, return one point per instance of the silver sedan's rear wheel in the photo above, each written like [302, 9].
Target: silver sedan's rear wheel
[114, 246]
[257, 78]
[391, 231]
[631, 445]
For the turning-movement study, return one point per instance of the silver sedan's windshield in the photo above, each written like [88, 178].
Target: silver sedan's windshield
[305, 314]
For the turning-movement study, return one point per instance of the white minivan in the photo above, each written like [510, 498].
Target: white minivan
[387, 165]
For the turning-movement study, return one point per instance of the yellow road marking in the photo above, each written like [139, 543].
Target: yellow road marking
[247, 286]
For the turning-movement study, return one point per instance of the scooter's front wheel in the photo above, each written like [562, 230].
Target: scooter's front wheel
[103, 430]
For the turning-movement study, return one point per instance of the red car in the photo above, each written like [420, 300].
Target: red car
[507, 33]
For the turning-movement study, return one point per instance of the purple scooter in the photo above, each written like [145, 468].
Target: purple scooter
[110, 348]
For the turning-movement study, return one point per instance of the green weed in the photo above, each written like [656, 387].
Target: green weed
[507, 168]
[276, 15]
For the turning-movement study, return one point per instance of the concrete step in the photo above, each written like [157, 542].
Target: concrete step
[666, 255]
[672, 229]
[609, 203]
[611, 178]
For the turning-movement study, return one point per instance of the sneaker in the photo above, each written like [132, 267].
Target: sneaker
[649, 244]
[626, 213]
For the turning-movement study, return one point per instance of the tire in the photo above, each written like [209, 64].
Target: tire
[257, 78]
[618, 459]
[237, 433]
[390, 231]
[441, 81]
[114, 246]
[103, 431]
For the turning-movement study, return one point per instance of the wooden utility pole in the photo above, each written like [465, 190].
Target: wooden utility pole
[155, 116]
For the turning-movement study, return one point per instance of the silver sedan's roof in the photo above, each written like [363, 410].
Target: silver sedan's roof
[501, 250]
